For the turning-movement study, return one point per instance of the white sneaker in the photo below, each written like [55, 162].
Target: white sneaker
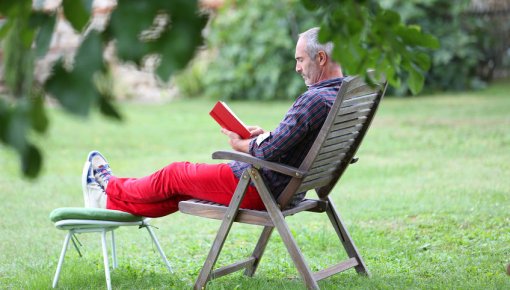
[93, 194]
[100, 169]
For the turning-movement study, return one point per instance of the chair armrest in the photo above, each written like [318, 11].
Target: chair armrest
[257, 162]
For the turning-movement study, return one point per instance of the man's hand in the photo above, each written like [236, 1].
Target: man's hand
[236, 142]
[255, 131]
[239, 144]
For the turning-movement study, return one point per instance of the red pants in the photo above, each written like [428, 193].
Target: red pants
[158, 194]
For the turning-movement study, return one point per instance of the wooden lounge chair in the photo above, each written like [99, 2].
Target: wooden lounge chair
[330, 155]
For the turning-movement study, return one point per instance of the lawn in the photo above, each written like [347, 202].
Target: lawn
[428, 204]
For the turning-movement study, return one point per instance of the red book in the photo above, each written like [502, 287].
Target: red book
[228, 120]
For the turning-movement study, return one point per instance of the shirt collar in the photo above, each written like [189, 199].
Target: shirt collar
[326, 83]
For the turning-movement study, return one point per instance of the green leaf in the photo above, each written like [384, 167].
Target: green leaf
[4, 29]
[31, 161]
[422, 60]
[106, 107]
[77, 12]
[4, 120]
[177, 46]
[75, 89]
[141, 15]
[310, 4]
[74, 93]
[415, 81]
[45, 24]
[38, 114]
[89, 58]
[411, 35]
[16, 130]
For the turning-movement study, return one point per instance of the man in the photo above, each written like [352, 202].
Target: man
[159, 193]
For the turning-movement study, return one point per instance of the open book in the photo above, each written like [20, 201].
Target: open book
[228, 120]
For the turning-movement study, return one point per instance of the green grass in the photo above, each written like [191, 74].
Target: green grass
[428, 204]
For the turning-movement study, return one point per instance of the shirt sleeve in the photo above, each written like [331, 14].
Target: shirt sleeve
[305, 115]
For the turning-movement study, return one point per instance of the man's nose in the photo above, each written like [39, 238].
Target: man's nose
[298, 68]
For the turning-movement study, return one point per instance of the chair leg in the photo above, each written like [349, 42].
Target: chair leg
[345, 238]
[62, 256]
[156, 242]
[223, 231]
[105, 259]
[114, 251]
[284, 231]
[259, 250]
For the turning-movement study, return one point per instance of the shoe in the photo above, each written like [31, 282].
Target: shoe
[93, 195]
[100, 169]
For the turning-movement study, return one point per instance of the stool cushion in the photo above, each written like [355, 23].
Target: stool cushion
[81, 213]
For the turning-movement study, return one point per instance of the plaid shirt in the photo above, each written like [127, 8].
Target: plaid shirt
[291, 140]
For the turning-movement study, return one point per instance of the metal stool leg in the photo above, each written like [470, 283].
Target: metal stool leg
[105, 259]
[62, 256]
[114, 251]
[155, 239]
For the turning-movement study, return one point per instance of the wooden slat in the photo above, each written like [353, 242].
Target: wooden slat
[347, 264]
[345, 131]
[335, 147]
[358, 99]
[225, 270]
[364, 89]
[325, 170]
[332, 160]
[357, 107]
[352, 116]
[347, 140]
[343, 134]
[310, 184]
[217, 211]
[314, 205]
[349, 124]
[324, 156]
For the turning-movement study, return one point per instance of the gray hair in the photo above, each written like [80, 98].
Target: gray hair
[313, 46]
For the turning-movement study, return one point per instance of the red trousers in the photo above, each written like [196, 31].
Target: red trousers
[158, 194]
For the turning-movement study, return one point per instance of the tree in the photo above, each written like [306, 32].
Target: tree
[250, 46]
[170, 30]
[365, 36]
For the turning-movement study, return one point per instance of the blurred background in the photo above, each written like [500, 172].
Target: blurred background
[249, 49]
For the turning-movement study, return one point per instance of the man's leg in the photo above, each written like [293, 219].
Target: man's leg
[159, 193]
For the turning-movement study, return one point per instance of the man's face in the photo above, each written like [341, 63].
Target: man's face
[307, 67]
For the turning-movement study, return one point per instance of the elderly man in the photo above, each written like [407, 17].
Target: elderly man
[159, 193]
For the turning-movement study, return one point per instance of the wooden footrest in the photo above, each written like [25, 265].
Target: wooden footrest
[347, 264]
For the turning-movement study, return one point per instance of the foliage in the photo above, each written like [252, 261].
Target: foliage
[253, 47]
[250, 48]
[469, 48]
[253, 40]
[169, 30]
[371, 37]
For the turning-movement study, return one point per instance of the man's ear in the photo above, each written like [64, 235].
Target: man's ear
[323, 58]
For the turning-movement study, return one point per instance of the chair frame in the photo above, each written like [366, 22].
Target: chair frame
[308, 176]
[78, 226]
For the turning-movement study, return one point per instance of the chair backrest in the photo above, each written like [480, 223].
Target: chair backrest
[338, 140]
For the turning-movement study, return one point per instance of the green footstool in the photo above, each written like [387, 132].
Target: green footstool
[89, 220]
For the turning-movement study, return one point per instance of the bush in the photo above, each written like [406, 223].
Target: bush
[467, 42]
[241, 64]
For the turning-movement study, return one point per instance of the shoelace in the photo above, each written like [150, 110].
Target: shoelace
[104, 173]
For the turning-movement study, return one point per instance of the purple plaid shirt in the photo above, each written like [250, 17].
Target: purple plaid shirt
[291, 140]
